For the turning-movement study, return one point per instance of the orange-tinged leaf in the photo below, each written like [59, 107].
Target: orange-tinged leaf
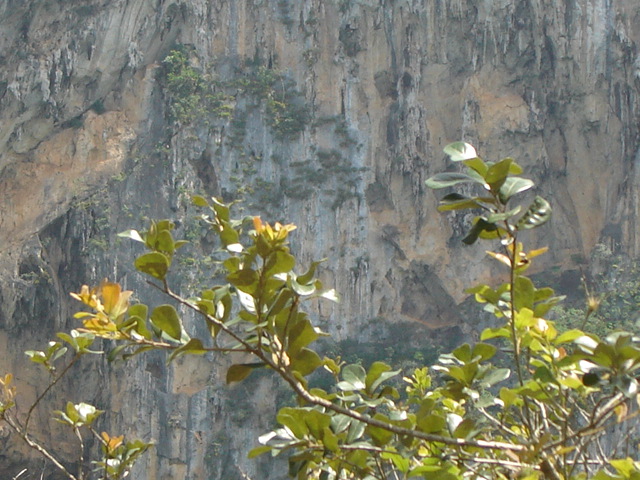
[110, 295]
[111, 443]
[257, 224]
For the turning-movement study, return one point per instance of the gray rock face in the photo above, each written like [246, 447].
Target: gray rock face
[326, 113]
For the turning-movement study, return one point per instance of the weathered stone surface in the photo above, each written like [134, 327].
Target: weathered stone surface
[85, 151]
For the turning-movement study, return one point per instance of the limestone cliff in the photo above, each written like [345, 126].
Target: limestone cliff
[327, 113]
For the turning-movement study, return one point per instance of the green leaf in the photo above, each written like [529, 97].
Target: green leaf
[462, 353]
[293, 419]
[239, 372]
[455, 201]
[431, 423]
[375, 371]
[478, 165]
[301, 335]
[221, 209]
[538, 213]
[279, 262]
[192, 347]
[497, 173]
[305, 362]
[380, 436]
[155, 264]
[489, 333]
[626, 467]
[112, 355]
[449, 179]
[524, 292]
[353, 377]
[481, 225]
[495, 376]
[36, 356]
[199, 201]
[306, 277]
[228, 235]
[166, 319]
[164, 243]
[501, 217]
[245, 280]
[483, 351]
[138, 310]
[569, 336]
[302, 290]
[459, 151]
[513, 186]
[317, 422]
[257, 451]
[543, 374]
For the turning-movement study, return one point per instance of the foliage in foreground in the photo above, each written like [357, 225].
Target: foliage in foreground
[528, 401]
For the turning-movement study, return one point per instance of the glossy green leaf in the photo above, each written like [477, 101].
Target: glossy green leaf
[279, 262]
[500, 332]
[459, 151]
[480, 225]
[221, 209]
[306, 277]
[376, 370]
[513, 186]
[524, 293]
[569, 336]
[449, 179]
[355, 375]
[538, 213]
[155, 264]
[257, 451]
[192, 347]
[495, 376]
[501, 217]
[165, 317]
[138, 310]
[455, 201]
[477, 165]
[302, 290]
[293, 419]
[239, 372]
[497, 173]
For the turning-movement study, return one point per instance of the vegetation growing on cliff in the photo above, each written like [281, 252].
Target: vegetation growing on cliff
[193, 94]
[528, 401]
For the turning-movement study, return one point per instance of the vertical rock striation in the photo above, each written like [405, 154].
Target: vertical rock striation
[329, 114]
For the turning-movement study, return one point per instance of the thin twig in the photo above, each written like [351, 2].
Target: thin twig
[36, 446]
[46, 390]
